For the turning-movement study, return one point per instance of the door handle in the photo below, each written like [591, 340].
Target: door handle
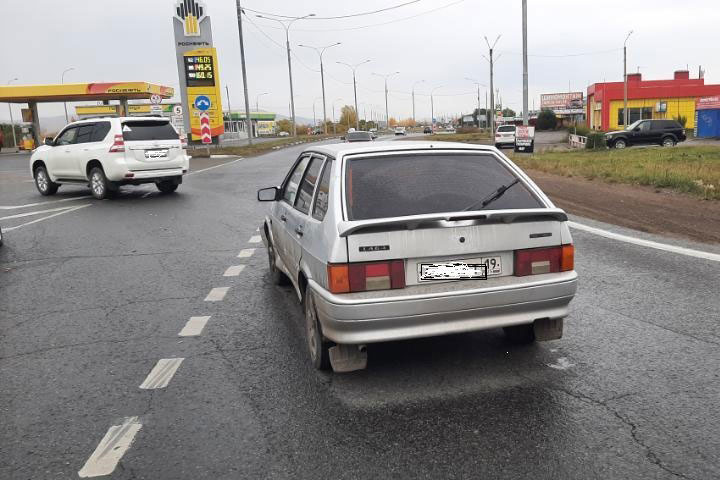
[85, 149]
[283, 217]
[299, 230]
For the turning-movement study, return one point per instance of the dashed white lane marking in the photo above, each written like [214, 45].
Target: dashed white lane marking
[194, 326]
[255, 239]
[162, 373]
[562, 364]
[215, 166]
[68, 210]
[233, 271]
[246, 253]
[13, 207]
[111, 449]
[216, 294]
[646, 243]
[37, 212]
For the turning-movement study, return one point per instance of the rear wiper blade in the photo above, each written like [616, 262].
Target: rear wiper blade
[492, 197]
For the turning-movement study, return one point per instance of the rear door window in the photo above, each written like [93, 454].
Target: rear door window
[419, 183]
[322, 195]
[307, 186]
[144, 130]
[100, 132]
[84, 133]
[293, 182]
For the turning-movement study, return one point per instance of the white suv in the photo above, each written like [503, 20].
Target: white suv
[505, 136]
[105, 153]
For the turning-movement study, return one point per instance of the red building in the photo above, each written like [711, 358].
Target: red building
[663, 99]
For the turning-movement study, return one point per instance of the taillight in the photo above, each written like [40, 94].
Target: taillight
[535, 261]
[118, 145]
[361, 277]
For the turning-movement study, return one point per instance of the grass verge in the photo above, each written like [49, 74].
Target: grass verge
[255, 148]
[693, 170]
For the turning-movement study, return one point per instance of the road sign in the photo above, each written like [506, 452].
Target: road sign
[202, 103]
[155, 99]
[205, 133]
[177, 110]
[156, 109]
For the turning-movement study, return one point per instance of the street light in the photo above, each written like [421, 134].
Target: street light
[353, 67]
[432, 108]
[62, 80]
[12, 122]
[625, 110]
[386, 76]
[286, 25]
[320, 51]
[492, 94]
[257, 100]
[478, 85]
[413, 98]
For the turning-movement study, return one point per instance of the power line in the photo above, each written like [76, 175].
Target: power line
[339, 16]
[568, 54]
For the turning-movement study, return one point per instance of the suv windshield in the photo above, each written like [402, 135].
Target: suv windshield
[400, 185]
[138, 130]
[633, 125]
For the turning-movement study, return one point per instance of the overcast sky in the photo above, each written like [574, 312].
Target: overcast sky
[571, 45]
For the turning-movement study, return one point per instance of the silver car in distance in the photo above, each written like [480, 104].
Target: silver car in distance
[398, 240]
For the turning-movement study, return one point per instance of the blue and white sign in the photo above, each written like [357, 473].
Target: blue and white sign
[202, 103]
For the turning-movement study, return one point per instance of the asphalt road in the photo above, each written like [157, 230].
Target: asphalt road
[92, 298]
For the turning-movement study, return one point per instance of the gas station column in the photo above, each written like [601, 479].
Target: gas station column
[35, 122]
[124, 109]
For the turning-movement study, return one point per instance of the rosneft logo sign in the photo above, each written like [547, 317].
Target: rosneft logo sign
[191, 13]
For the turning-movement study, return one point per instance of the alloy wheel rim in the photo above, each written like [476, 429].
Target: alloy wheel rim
[41, 180]
[97, 184]
[620, 144]
[311, 328]
[668, 142]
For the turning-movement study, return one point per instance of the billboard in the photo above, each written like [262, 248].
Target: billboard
[708, 103]
[568, 103]
[265, 127]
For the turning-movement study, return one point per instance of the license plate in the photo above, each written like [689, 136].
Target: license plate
[475, 269]
[155, 154]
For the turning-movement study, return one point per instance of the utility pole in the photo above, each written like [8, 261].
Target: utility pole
[526, 115]
[413, 98]
[62, 80]
[12, 122]
[432, 108]
[478, 85]
[386, 76]
[248, 125]
[287, 47]
[353, 68]
[625, 110]
[492, 91]
[320, 51]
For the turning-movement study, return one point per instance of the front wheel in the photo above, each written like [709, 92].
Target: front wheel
[319, 349]
[668, 142]
[167, 186]
[43, 183]
[620, 143]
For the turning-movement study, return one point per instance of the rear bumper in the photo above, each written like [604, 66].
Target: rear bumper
[355, 321]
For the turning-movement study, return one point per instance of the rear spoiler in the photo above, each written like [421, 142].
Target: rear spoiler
[413, 222]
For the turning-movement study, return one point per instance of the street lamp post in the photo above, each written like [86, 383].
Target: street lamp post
[287, 26]
[62, 80]
[478, 85]
[386, 76]
[625, 110]
[320, 51]
[12, 122]
[492, 92]
[413, 98]
[432, 108]
[257, 100]
[353, 68]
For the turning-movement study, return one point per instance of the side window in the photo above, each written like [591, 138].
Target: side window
[67, 137]
[322, 196]
[293, 182]
[307, 186]
[100, 132]
[84, 132]
[644, 127]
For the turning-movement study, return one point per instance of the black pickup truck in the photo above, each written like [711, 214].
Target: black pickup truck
[644, 132]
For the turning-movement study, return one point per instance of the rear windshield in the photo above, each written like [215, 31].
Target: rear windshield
[506, 128]
[358, 136]
[139, 130]
[399, 185]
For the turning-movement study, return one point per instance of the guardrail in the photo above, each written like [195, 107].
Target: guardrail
[577, 141]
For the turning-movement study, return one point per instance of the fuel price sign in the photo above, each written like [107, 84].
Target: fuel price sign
[199, 71]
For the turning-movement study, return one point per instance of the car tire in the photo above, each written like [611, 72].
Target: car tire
[668, 142]
[276, 276]
[619, 143]
[520, 334]
[100, 187]
[166, 186]
[318, 348]
[43, 183]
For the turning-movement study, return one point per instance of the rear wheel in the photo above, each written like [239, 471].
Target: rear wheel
[668, 142]
[100, 186]
[167, 186]
[43, 183]
[620, 143]
[276, 276]
[520, 333]
[319, 349]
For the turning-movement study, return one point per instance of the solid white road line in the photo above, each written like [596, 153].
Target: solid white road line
[255, 239]
[646, 243]
[216, 294]
[162, 373]
[194, 326]
[29, 214]
[215, 166]
[72, 209]
[246, 253]
[233, 271]
[111, 449]
[13, 207]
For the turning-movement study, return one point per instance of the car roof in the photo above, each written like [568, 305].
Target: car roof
[122, 119]
[339, 149]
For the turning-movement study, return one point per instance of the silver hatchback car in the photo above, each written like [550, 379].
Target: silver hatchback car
[398, 240]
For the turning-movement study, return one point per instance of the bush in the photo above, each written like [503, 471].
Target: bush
[595, 141]
[546, 120]
[580, 130]
[467, 130]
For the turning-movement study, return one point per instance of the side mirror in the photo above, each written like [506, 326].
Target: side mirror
[269, 194]
[49, 141]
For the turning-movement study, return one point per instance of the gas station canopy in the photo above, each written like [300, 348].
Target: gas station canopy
[71, 92]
